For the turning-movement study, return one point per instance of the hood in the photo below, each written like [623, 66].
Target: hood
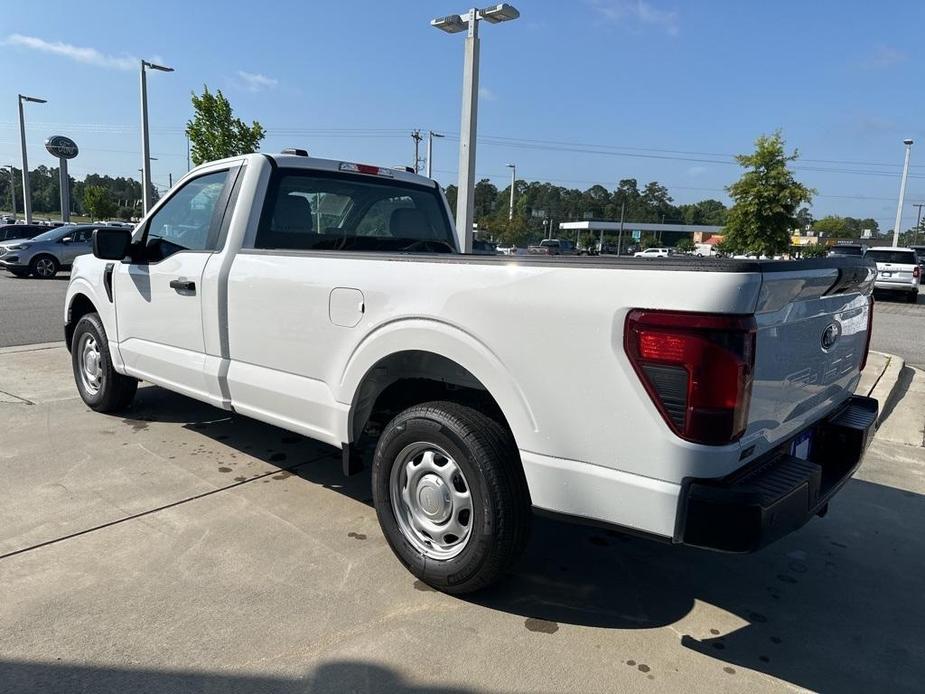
[16, 242]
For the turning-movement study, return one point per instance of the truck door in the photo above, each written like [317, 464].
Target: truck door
[158, 296]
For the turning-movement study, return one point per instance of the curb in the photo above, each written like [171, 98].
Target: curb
[885, 387]
[31, 348]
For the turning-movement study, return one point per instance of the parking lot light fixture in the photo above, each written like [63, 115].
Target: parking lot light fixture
[454, 24]
[146, 195]
[13, 190]
[902, 191]
[510, 209]
[430, 152]
[26, 188]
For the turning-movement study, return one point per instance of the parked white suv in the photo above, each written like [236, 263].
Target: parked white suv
[652, 253]
[898, 270]
[329, 298]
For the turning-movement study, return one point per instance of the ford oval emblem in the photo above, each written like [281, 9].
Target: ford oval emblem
[61, 146]
[830, 336]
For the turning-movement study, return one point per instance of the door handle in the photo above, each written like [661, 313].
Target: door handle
[183, 285]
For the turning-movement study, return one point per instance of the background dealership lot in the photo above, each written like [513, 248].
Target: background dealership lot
[255, 566]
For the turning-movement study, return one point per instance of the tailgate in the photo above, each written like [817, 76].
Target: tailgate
[895, 272]
[812, 335]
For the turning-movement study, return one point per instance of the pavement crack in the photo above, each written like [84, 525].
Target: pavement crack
[23, 400]
[158, 509]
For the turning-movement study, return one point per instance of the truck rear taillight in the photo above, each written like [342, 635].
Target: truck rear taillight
[870, 328]
[917, 271]
[697, 368]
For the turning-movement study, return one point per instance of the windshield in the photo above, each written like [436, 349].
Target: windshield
[846, 250]
[898, 257]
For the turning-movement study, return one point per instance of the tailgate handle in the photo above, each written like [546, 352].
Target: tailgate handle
[183, 285]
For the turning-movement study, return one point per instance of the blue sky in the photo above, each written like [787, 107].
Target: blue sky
[577, 92]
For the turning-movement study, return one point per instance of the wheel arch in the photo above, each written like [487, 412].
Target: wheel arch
[443, 357]
[78, 305]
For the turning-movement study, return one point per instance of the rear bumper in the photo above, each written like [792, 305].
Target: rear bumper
[897, 285]
[779, 493]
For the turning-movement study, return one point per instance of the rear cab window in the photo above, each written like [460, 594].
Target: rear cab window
[894, 257]
[320, 211]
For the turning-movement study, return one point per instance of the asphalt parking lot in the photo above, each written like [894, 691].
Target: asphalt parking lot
[179, 548]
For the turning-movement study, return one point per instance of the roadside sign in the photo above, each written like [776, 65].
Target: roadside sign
[637, 234]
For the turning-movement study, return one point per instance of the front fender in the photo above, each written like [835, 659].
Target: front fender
[450, 342]
[87, 280]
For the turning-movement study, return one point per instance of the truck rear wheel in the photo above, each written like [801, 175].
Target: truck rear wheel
[450, 495]
[100, 386]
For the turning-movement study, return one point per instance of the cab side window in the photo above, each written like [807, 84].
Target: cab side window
[188, 221]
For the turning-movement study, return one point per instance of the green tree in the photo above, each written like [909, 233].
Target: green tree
[814, 250]
[766, 199]
[98, 202]
[832, 225]
[710, 212]
[685, 245]
[215, 133]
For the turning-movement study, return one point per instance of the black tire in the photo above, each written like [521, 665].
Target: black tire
[44, 267]
[114, 391]
[486, 454]
[913, 297]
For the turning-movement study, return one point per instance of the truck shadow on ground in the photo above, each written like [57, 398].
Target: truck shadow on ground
[335, 677]
[836, 606]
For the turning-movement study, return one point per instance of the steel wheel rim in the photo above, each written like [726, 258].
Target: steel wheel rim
[45, 267]
[90, 364]
[431, 500]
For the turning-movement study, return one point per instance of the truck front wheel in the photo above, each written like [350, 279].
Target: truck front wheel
[450, 495]
[100, 386]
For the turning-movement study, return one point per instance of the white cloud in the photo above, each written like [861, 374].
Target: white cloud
[486, 94]
[885, 57]
[255, 82]
[88, 56]
[639, 12]
[697, 170]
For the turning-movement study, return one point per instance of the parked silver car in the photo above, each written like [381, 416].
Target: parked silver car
[44, 255]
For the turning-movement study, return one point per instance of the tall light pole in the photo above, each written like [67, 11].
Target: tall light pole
[510, 208]
[145, 145]
[453, 24]
[26, 188]
[13, 190]
[902, 192]
[430, 152]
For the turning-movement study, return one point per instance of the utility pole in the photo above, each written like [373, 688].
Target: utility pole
[620, 238]
[169, 180]
[918, 222]
[902, 192]
[187, 152]
[417, 137]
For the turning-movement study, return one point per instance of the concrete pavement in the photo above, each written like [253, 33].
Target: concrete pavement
[179, 548]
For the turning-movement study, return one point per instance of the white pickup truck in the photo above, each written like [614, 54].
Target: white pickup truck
[711, 403]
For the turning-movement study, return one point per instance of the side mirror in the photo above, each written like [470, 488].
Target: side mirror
[111, 244]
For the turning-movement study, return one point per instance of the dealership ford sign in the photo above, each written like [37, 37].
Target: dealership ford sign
[61, 147]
